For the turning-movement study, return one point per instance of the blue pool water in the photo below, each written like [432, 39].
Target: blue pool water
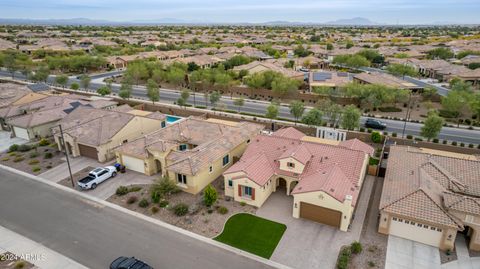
[172, 119]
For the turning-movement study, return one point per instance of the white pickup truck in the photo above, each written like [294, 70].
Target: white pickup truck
[97, 176]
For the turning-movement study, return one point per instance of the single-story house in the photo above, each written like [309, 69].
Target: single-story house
[430, 196]
[192, 152]
[95, 133]
[385, 80]
[324, 179]
[258, 67]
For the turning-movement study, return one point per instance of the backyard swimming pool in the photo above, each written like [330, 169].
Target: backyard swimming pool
[172, 119]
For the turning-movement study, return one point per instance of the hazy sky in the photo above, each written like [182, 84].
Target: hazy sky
[383, 11]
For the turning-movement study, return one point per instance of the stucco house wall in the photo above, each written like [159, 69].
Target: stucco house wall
[323, 199]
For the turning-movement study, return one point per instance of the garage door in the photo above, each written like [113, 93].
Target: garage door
[21, 133]
[416, 232]
[320, 214]
[134, 164]
[88, 151]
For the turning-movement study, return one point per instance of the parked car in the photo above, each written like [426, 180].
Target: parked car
[375, 124]
[97, 176]
[129, 263]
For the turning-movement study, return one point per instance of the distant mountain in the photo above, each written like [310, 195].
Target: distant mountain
[353, 21]
[73, 21]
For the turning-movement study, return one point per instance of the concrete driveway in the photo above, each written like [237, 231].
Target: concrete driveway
[6, 141]
[104, 190]
[407, 254]
[307, 244]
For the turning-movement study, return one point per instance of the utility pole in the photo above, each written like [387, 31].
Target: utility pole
[64, 146]
[407, 115]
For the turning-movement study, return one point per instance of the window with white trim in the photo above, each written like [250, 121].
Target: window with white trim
[182, 179]
[226, 160]
[247, 191]
[230, 183]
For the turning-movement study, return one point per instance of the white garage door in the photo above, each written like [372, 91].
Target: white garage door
[21, 133]
[416, 232]
[134, 164]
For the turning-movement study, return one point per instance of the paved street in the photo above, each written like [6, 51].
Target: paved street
[255, 107]
[94, 234]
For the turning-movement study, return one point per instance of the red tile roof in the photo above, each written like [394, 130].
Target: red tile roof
[333, 169]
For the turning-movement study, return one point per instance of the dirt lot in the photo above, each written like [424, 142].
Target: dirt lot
[34, 161]
[201, 221]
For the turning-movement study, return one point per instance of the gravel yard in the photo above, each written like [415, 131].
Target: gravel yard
[199, 219]
[33, 161]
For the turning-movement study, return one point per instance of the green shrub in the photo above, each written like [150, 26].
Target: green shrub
[470, 146]
[454, 143]
[122, 190]
[34, 161]
[163, 203]
[209, 211]
[409, 136]
[394, 134]
[356, 247]
[143, 203]
[444, 142]
[13, 148]
[373, 161]
[209, 195]
[222, 210]
[369, 130]
[155, 196]
[33, 155]
[24, 148]
[44, 142]
[390, 109]
[418, 139]
[134, 189]
[12, 154]
[462, 144]
[20, 265]
[48, 167]
[243, 203]
[164, 187]
[5, 159]
[362, 129]
[18, 159]
[435, 140]
[344, 258]
[132, 199]
[36, 168]
[48, 155]
[154, 209]
[180, 209]
[376, 137]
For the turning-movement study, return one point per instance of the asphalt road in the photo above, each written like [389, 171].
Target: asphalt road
[168, 96]
[94, 235]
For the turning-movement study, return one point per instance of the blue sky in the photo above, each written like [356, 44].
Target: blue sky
[383, 11]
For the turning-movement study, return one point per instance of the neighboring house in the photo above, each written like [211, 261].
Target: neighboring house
[328, 79]
[258, 67]
[324, 180]
[192, 152]
[385, 80]
[94, 133]
[429, 196]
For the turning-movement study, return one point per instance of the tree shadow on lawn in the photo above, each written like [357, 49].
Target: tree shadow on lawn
[252, 234]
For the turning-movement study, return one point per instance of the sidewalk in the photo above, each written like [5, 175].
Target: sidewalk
[40, 256]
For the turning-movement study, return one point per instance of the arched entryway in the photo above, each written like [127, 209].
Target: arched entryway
[158, 164]
[281, 184]
[292, 186]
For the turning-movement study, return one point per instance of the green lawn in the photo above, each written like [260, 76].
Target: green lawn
[253, 234]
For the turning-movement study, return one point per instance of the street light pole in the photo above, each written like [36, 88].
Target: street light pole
[66, 155]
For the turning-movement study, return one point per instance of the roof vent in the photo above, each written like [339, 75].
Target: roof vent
[332, 190]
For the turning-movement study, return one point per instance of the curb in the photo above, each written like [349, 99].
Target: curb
[149, 219]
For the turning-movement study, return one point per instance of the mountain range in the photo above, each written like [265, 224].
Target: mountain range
[357, 21]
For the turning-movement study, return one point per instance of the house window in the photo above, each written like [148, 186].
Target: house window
[248, 141]
[432, 228]
[210, 169]
[226, 160]
[291, 165]
[425, 226]
[407, 222]
[163, 124]
[439, 230]
[230, 183]
[247, 191]
[182, 147]
[412, 223]
[395, 219]
[182, 179]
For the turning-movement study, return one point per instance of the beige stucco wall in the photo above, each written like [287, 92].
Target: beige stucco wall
[261, 192]
[447, 241]
[41, 131]
[473, 221]
[323, 199]
[298, 165]
[196, 183]
[135, 128]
